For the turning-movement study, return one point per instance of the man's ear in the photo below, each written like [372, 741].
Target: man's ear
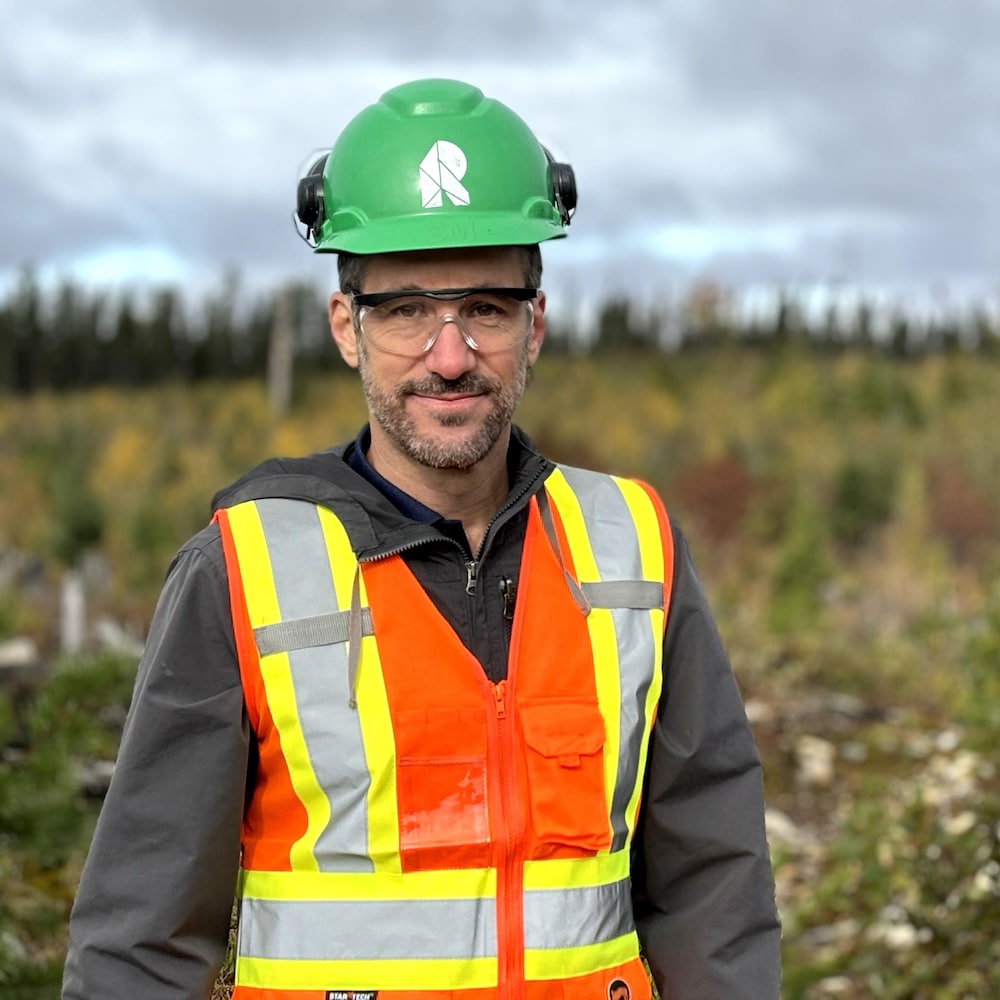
[342, 327]
[537, 334]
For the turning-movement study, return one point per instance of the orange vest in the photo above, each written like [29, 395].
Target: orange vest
[415, 830]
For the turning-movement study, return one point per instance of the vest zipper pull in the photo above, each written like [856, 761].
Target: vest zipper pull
[471, 569]
[499, 691]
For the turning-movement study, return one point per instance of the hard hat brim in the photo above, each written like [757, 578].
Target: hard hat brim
[440, 232]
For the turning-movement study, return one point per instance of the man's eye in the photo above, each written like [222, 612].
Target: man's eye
[486, 309]
[407, 309]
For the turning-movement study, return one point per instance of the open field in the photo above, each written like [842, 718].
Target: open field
[843, 510]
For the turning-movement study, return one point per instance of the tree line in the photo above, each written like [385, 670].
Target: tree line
[72, 337]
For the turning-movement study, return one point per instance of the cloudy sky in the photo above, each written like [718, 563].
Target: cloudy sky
[760, 144]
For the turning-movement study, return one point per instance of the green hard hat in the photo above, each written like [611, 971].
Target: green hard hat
[435, 164]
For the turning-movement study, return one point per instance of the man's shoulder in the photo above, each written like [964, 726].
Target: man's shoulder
[200, 554]
[302, 476]
[325, 479]
[308, 477]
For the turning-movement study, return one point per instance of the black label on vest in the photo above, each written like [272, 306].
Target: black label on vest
[352, 995]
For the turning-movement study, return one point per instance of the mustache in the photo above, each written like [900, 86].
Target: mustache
[435, 385]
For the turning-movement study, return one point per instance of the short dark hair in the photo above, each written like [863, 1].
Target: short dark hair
[351, 269]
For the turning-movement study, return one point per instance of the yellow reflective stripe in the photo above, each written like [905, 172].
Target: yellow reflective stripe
[651, 545]
[388, 974]
[263, 609]
[375, 720]
[562, 963]
[342, 559]
[458, 883]
[600, 624]
[255, 564]
[576, 873]
[572, 518]
[647, 525]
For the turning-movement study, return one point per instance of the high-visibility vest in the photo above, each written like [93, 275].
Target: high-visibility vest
[415, 830]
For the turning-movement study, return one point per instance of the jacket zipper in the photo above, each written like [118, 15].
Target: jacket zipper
[471, 565]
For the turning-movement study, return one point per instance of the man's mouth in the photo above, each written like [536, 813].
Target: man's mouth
[458, 392]
[449, 397]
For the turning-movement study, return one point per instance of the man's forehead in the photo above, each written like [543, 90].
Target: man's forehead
[487, 265]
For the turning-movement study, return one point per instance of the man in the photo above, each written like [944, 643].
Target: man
[454, 719]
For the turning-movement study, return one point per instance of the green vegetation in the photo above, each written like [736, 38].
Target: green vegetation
[46, 816]
[843, 509]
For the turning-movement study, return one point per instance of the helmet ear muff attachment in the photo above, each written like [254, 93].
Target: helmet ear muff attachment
[563, 187]
[310, 208]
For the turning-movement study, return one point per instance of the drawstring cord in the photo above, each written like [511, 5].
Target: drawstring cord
[550, 532]
[354, 630]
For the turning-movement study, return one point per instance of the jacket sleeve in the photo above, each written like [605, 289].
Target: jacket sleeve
[703, 887]
[152, 913]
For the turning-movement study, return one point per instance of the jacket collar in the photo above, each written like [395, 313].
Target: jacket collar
[374, 525]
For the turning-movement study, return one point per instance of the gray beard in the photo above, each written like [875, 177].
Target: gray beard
[388, 410]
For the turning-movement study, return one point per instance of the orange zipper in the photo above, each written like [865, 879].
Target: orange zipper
[510, 829]
[508, 852]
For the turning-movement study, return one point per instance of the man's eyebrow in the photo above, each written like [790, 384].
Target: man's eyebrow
[411, 286]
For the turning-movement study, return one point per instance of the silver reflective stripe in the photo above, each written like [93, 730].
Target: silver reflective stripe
[332, 730]
[568, 918]
[318, 630]
[378, 929]
[613, 538]
[639, 594]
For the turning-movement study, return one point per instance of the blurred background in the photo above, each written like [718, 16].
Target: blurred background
[779, 302]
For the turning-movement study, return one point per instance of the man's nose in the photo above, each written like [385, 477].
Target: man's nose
[452, 351]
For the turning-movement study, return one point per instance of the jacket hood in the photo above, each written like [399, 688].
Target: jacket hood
[373, 523]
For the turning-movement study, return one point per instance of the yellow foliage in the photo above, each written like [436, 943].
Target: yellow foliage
[153, 459]
[124, 465]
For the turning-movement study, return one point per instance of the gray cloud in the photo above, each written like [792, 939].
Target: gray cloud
[767, 142]
[374, 30]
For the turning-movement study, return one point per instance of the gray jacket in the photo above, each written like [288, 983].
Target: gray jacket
[152, 913]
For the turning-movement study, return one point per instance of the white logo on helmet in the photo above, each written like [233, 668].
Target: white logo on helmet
[441, 173]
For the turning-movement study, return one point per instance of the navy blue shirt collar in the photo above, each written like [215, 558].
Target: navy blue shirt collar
[357, 459]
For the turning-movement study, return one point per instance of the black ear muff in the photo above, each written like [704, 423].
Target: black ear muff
[563, 187]
[310, 208]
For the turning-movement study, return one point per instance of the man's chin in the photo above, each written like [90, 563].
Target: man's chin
[458, 452]
[454, 420]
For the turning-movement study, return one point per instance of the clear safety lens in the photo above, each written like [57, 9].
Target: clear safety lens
[409, 323]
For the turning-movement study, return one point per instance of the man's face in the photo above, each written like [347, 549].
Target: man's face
[451, 406]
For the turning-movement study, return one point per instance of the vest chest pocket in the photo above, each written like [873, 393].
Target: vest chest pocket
[441, 786]
[564, 756]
